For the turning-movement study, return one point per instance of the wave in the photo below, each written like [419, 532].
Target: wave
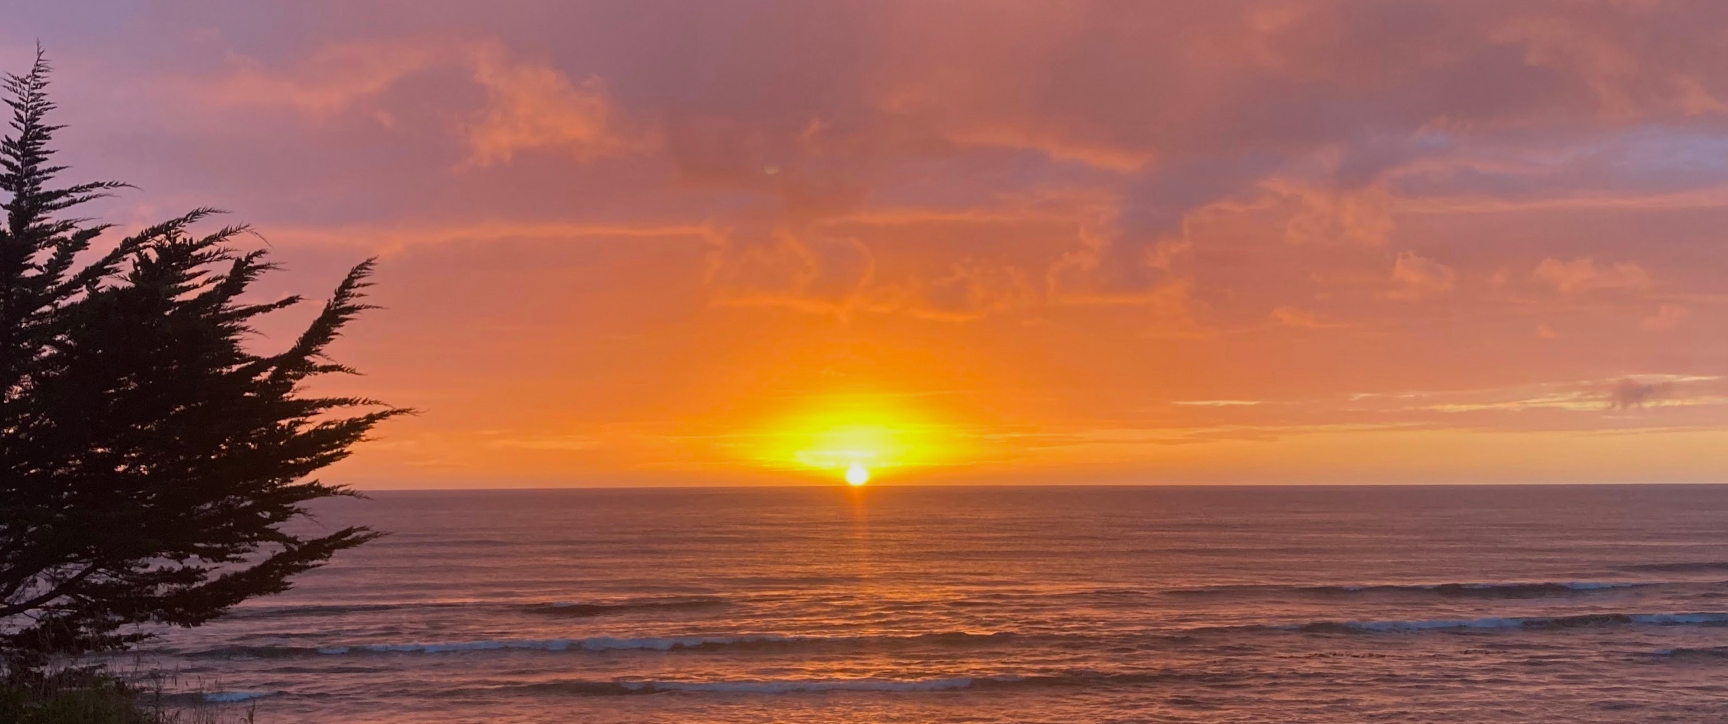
[456, 543]
[215, 697]
[1520, 622]
[768, 686]
[1457, 590]
[559, 608]
[598, 643]
[784, 687]
[800, 686]
[1679, 567]
[584, 610]
[950, 638]
[230, 697]
[605, 643]
[337, 609]
[1687, 652]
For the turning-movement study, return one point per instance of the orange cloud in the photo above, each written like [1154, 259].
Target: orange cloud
[1420, 277]
[824, 275]
[529, 106]
[1301, 319]
[972, 291]
[1667, 317]
[1329, 216]
[331, 80]
[1054, 146]
[537, 108]
[1582, 275]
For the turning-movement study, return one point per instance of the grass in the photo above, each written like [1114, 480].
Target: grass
[98, 701]
[97, 698]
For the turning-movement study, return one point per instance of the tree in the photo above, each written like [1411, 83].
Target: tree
[152, 468]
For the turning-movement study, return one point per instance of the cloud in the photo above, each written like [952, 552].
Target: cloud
[331, 80]
[1020, 196]
[824, 275]
[1108, 269]
[1631, 394]
[1420, 277]
[528, 106]
[1571, 396]
[388, 239]
[1336, 216]
[972, 291]
[1582, 275]
[1219, 403]
[534, 107]
[566, 443]
[840, 277]
[1301, 319]
[1667, 317]
[1053, 146]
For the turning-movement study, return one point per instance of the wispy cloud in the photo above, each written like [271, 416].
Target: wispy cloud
[1583, 275]
[529, 106]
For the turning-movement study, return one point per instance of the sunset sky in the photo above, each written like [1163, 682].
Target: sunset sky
[634, 243]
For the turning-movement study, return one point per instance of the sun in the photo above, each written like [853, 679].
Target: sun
[853, 438]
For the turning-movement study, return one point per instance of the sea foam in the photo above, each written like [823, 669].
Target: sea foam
[230, 697]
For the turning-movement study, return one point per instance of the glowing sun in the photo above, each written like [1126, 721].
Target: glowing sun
[855, 438]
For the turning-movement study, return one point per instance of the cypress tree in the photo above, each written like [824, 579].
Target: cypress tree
[152, 466]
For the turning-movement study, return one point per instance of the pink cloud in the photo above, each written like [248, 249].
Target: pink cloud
[529, 106]
[1582, 275]
[1420, 277]
[330, 80]
[538, 108]
[1300, 318]
[1667, 317]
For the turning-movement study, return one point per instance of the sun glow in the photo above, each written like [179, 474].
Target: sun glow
[856, 437]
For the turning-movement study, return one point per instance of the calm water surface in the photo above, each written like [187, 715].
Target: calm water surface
[1471, 604]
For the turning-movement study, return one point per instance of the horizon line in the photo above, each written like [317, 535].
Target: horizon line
[1044, 485]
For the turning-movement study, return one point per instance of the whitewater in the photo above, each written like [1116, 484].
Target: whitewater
[1051, 604]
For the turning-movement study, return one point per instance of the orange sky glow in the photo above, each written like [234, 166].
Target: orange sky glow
[687, 242]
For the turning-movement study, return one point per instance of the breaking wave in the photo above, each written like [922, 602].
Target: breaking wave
[215, 697]
[1522, 622]
[230, 697]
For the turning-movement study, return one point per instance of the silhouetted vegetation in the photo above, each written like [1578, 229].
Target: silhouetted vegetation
[150, 464]
[86, 697]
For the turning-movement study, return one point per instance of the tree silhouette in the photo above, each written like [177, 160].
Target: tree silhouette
[150, 465]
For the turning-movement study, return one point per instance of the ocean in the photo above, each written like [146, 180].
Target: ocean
[995, 604]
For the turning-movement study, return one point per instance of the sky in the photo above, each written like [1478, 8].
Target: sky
[691, 242]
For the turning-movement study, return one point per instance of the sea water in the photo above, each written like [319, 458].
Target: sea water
[995, 604]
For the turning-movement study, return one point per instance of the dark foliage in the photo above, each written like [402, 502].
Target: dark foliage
[85, 699]
[149, 463]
